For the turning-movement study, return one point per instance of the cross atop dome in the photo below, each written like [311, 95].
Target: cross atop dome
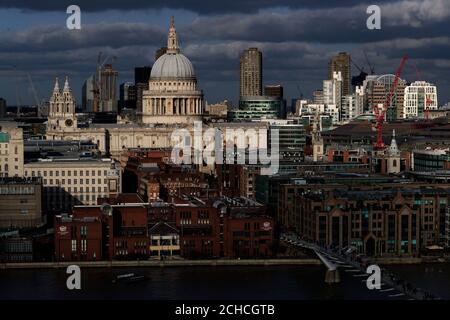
[172, 40]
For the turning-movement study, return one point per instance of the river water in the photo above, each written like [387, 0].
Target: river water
[204, 283]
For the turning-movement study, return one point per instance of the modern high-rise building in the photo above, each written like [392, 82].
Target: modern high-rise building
[142, 74]
[141, 80]
[332, 93]
[2, 108]
[377, 88]
[127, 96]
[255, 108]
[341, 63]
[251, 73]
[108, 89]
[87, 94]
[419, 96]
[318, 97]
[274, 91]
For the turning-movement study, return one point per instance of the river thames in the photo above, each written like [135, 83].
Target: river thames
[204, 283]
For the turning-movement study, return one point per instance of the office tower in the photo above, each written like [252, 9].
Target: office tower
[108, 89]
[274, 91]
[251, 73]
[159, 52]
[2, 108]
[127, 96]
[377, 88]
[318, 97]
[142, 74]
[341, 63]
[332, 95]
[141, 79]
[87, 93]
[419, 97]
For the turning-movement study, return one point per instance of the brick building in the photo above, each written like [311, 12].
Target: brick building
[388, 219]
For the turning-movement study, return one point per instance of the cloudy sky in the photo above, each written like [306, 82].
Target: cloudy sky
[297, 38]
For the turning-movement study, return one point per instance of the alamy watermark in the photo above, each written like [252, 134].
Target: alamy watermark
[249, 146]
[73, 22]
[374, 280]
[74, 280]
[374, 20]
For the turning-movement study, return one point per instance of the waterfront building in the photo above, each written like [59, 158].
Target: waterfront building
[164, 241]
[250, 71]
[127, 228]
[378, 220]
[341, 63]
[116, 229]
[419, 97]
[173, 96]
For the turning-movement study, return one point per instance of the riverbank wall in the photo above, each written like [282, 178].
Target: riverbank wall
[154, 263]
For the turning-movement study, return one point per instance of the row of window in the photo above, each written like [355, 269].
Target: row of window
[76, 173]
[75, 181]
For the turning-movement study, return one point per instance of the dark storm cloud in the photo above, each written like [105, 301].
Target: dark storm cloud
[47, 38]
[296, 43]
[199, 6]
[341, 25]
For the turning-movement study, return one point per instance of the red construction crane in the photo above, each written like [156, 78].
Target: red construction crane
[427, 110]
[380, 114]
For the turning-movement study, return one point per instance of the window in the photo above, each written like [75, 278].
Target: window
[74, 245]
[84, 245]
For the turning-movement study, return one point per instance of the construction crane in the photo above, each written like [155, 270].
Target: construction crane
[380, 114]
[372, 68]
[358, 80]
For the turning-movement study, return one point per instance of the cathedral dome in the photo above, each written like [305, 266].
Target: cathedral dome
[172, 65]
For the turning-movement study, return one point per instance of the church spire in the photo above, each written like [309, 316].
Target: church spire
[66, 85]
[56, 88]
[393, 148]
[172, 41]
